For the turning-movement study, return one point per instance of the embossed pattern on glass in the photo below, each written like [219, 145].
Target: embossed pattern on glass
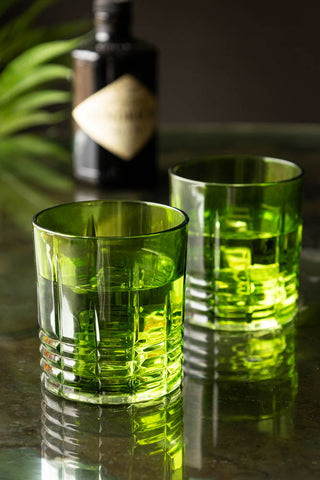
[111, 299]
[244, 239]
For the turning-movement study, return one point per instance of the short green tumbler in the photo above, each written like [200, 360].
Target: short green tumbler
[111, 283]
[244, 239]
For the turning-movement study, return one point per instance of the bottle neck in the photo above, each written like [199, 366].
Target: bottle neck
[112, 28]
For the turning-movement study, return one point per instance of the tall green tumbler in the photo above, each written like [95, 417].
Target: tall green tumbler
[111, 278]
[244, 239]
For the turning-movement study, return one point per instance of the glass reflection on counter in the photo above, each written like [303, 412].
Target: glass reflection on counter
[135, 442]
[237, 386]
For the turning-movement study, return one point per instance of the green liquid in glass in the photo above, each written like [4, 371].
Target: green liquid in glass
[244, 239]
[242, 278]
[117, 337]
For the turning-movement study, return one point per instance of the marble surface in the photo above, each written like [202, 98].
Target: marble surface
[248, 428]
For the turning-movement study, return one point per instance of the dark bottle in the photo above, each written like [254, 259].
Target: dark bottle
[115, 103]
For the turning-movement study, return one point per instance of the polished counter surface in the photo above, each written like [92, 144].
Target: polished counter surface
[250, 411]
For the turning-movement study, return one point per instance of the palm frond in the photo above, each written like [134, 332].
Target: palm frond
[25, 112]
[32, 146]
[35, 77]
[14, 191]
[18, 123]
[12, 49]
[36, 173]
[19, 34]
[35, 100]
[36, 56]
[13, 32]
[33, 63]
[26, 18]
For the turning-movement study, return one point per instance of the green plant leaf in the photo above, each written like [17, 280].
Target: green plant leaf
[35, 100]
[12, 48]
[14, 194]
[37, 173]
[27, 192]
[33, 57]
[18, 24]
[27, 161]
[32, 145]
[28, 15]
[34, 78]
[10, 206]
[17, 30]
[19, 34]
[17, 122]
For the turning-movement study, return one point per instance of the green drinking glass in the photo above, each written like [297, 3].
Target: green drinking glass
[111, 285]
[244, 239]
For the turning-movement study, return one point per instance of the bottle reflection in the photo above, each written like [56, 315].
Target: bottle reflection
[239, 388]
[140, 441]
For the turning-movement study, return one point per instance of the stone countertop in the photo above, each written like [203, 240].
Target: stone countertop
[224, 429]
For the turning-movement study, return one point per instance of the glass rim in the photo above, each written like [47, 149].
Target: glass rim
[174, 174]
[179, 226]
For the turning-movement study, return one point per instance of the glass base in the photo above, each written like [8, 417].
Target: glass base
[105, 398]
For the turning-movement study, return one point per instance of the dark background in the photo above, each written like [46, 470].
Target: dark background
[225, 61]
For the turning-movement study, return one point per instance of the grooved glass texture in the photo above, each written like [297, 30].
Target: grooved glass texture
[244, 239]
[111, 299]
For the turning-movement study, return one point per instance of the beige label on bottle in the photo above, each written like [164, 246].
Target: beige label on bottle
[121, 117]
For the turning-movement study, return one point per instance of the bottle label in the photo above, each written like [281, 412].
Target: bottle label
[121, 117]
